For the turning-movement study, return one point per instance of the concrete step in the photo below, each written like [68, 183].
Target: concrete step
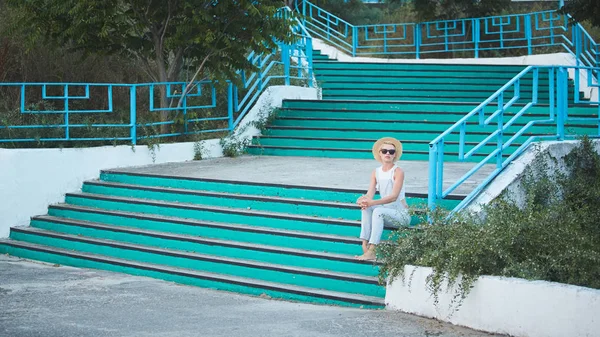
[314, 258]
[336, 244]
[213, 213]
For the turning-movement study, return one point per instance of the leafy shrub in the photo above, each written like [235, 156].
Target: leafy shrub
[552, 235]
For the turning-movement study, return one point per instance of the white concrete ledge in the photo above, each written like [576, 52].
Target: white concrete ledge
[510, 306]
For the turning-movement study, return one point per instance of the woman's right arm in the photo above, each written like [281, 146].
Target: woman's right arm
[371, 191]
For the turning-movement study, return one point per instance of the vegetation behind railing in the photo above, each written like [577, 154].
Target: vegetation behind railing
[78, 114]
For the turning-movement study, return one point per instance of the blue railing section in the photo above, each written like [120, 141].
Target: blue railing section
[540, 32]
[131, 112]
[494, 117]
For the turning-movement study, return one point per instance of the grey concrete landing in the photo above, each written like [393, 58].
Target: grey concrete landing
[312, 171]
[39, 299]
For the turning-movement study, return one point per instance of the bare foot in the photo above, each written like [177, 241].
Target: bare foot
[367, 256]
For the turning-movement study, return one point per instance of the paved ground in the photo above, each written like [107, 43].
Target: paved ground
[313, 171]
[43, 300]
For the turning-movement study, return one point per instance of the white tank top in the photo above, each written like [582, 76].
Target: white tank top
[385, 186]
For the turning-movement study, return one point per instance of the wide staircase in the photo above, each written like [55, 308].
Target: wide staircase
[272, 240]
[413, 102]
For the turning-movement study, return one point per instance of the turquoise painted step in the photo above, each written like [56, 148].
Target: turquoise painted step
[389, 115]
[426, 135]
[399, 106]
[216, 230]
[320, 57]
[484, 86]
[359, 143]
[349, 211]
[305, 277]
[414, 125]
[437, 94]
[185, 276]
[276, 190]
[226, 186]
[380, 106]
[362, 80]
[219, 214]
[344, 153]
[232, 249]
[422, 67]
[468, 74]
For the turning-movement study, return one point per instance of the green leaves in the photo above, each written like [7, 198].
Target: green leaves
[161, 33]
[583, 10]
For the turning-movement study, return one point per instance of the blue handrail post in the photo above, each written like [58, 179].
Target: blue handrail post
[500, 118]
[354, 40]
[431, 196]
[66, 92]
[285, 55]
[133, 114]
[230, 106]
[577, 40]
[561, 4]
[417, 40]
[304, 12]
[528, 33]
[309, 59]
[552, 88]
[476, 36]
[562, 103]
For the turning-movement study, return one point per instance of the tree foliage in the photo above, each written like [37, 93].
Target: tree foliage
[165, 35]
[583, 10]
[428, 10]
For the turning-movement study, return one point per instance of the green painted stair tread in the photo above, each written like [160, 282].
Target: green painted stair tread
[484, 85]
[381, 105]
[363, 143]
[427, 111]
[211, 213]
[315, 278]
[264, 235]
[305, 131]
[365, 79]
[352, 153]
[234, 186]
[346, 195]
[248, 201]
[391, 73]
[501, 68]
[186, 276]
[216, 247]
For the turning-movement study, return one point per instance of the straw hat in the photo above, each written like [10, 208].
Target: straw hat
[378, 144]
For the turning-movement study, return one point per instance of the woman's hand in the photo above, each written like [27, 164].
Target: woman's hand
[364, 202]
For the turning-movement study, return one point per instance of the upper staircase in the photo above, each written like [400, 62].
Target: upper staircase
[362, 102]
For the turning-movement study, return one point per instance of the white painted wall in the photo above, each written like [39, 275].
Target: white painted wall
[503, 305]
[31, 179]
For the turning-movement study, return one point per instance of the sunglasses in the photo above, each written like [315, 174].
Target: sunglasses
[386, 151]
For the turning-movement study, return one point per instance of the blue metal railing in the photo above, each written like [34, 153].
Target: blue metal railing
[493, 113]
[472, 37]
[131, 112]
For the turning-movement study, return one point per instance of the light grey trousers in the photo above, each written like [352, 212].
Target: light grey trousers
[373, 218]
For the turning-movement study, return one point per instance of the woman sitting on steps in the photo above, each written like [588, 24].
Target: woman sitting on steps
[392, 207]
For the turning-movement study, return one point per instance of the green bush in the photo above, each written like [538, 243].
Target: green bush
[552, 235]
